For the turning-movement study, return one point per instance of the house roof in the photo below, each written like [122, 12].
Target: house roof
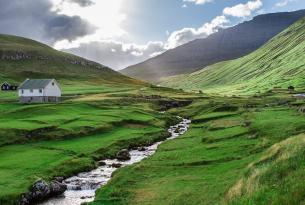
[35, 83]
[5, 83]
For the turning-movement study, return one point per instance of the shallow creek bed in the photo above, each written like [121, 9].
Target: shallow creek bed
[81, 188]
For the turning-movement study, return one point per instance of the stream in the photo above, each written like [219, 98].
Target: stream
[81, 188]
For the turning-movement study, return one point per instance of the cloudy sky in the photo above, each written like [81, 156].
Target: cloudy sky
[119, 33]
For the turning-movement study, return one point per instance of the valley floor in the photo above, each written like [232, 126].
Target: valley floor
[239, 150]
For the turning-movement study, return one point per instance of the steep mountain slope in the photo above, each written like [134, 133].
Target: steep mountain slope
[22, 58]
[280, 62]
[226, 44]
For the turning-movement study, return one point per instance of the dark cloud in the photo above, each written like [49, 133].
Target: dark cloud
[65, 27]
[82, 3]
[34, 19]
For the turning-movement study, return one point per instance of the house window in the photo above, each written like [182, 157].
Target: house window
[40, 90]
[31, 90]
[22, 91]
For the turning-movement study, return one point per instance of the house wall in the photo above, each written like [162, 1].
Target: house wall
[39, 99]
[27, 92]
[52, 90]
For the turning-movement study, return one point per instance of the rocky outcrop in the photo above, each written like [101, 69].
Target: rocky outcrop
[21, 55]
[42, 190]
[123, 155]
[168, 104]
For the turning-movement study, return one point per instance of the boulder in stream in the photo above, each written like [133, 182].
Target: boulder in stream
[116, 165]
[123, 155]
[42, 190]
[101, 163]
[141, 149]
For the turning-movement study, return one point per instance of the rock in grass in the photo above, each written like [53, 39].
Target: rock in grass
[123, 155]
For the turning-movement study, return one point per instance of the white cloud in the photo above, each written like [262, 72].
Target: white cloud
[186, 35]
[107, 46]
[243, 10]
[118, 55]
[198, 2]
[184, 6]
[283, 3]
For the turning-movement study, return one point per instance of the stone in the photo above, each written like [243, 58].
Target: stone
[41, 190]
[123, 155]
[59, 179]
[57, 188]
[116, 165]
[101, 163]
[141, 149]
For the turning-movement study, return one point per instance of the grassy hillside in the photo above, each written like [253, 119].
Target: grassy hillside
[237, 151]
[22, 58]
[280, 62]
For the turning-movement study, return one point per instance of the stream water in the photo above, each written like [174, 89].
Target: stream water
[81, 188]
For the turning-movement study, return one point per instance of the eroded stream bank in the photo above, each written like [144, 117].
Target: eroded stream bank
[81, 188]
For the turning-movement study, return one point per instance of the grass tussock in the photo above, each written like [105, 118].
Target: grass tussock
[278, 178]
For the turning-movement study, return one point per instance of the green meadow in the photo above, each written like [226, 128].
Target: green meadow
[237, 151]
[48, 140]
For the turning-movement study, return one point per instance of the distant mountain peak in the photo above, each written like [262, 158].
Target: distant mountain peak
[226, 44]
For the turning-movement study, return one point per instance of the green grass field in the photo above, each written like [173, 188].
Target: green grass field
[221, 149]
[92, 122]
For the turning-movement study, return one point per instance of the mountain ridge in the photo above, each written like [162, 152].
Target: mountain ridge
[279, 63]
[227, 44]
[22, 58]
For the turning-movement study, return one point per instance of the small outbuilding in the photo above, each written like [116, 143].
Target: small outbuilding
[5, 86]
[39, 91]
[8, 87]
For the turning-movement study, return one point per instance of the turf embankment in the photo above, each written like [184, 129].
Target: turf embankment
[279, 63]
[231, 144]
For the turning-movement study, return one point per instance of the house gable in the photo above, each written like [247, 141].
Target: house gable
[52, 89]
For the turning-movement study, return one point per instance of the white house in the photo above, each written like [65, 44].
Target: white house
[39, 91]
